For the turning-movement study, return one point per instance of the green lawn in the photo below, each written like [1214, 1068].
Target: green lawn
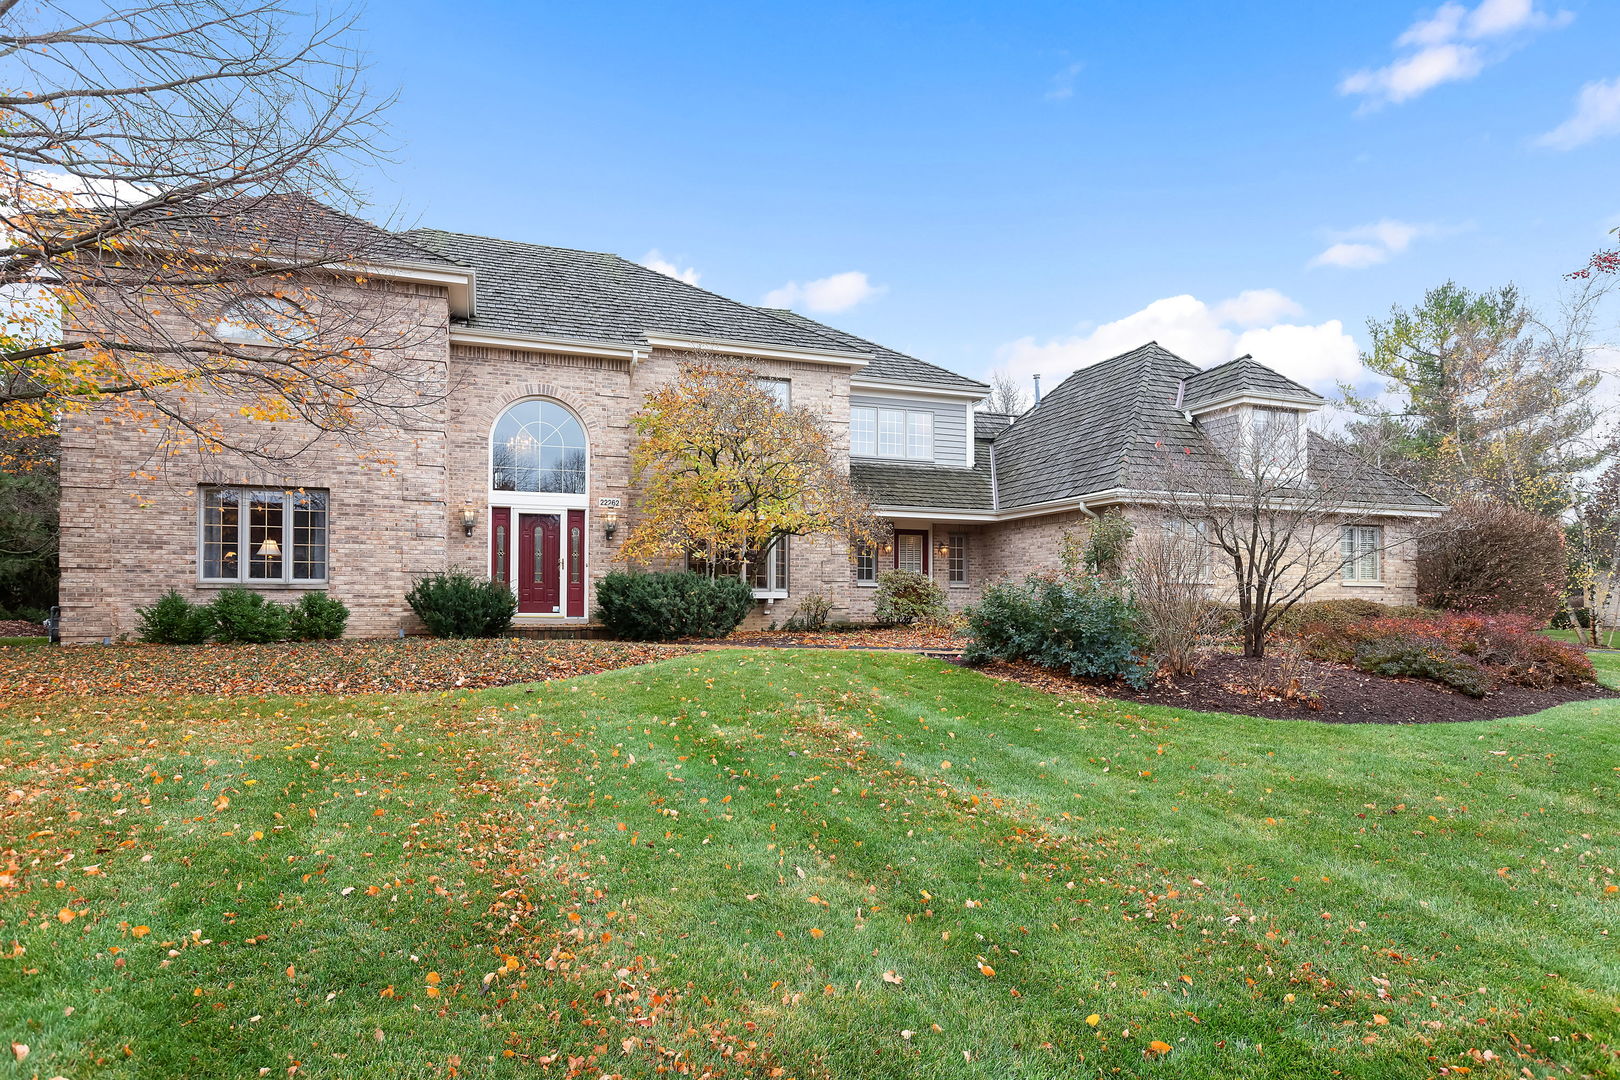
[823, 863]
[1610, 639]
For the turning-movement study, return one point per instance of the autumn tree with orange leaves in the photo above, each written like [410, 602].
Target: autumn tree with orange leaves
[163, 255]
[725, 471]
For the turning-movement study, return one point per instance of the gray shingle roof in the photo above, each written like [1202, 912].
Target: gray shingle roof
[886, 362]
[595, 296]
[987, 424]
[1243, 377]
[933, 486]
[1110, 426]
[1074, 442]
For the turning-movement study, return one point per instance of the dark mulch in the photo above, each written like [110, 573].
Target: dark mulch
[20, 628]
[1346, 696]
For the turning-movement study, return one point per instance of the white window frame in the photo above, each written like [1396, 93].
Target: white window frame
[776, 560]
[279, 322]
[1197, 531]
[779, 389]
[866, 565]
[1359, 544]
[956, 559]
[910, 433]
[244, 559]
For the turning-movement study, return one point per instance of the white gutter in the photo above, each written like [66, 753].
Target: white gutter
[538, 343]
[754, 348]
[913, 389]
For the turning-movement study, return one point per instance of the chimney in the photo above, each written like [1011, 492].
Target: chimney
[1037, 389]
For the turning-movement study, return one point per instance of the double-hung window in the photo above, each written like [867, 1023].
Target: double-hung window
[263, 535]
[866, 564]
[956, 558]
[1360, 547]
[907, 434]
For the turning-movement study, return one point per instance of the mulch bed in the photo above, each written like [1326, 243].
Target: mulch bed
[1347, 696]
[20, 628]
[317, 667]
[908, 638]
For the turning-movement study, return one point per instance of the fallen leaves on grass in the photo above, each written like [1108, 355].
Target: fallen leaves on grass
[338, 667]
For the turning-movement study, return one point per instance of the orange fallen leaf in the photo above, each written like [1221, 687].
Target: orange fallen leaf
[67, 915]
[432, 978]
[139, 931]
[817, 933]
[986, 970]
[1093, 1019]
[1158, 1047]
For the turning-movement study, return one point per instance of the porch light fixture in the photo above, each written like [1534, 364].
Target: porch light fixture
[942, 549]
[270, 549]
[610, 523]
[469, 519]
[887, 547]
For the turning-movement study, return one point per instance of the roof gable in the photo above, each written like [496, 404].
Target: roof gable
[1243, 378]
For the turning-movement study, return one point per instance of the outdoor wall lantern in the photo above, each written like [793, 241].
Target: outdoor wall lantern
[610, 523]
[887, 547]
[942, 549]
[469, 519]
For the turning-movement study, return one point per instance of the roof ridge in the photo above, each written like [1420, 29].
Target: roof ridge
[505, 240]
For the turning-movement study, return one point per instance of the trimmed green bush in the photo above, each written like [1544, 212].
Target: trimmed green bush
[640, 606]
[174, 620]
[1081, 625]
[1423, 658]
[318, 617]
[241, 615]
[455, 604]
[905, 597]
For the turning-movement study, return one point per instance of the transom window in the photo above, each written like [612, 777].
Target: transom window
[1361, 546]
[538, 446]
[891, 433]
[263, 535]
[264, 320]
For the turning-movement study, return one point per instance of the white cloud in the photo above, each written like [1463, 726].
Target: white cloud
[1369, 245]
[1317, 355]
[1454, 44]
[1062, 85]
[654, 260]
[1596, 115]
[839, 292]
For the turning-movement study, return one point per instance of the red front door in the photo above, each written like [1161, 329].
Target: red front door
[576, 563]
[539, 569]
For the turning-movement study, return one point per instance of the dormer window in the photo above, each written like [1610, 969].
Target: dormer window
[1273, 440]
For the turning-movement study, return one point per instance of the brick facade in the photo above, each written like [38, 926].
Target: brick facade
[130, 513]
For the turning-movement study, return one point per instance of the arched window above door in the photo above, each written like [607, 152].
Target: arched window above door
[538, 446]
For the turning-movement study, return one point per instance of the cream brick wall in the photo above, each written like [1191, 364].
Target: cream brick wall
[130, 511]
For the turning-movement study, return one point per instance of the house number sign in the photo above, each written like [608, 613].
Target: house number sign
[608, 504]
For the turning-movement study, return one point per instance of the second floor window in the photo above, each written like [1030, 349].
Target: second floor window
[780, 390]
[907, 434]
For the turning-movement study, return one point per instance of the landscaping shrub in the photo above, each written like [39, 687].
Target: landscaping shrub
[1167, 566]
[905, 597]
[1423, 658]
[1076, 624]
[641, 606]
[811, 613]
[1489, 557]
[318, 617]
[174, 620]
[241, 615]
[455, 604]
[1507, 648]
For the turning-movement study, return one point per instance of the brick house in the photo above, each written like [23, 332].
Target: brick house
[521, 470]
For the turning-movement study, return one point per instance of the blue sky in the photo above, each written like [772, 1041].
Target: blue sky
[1030, 185]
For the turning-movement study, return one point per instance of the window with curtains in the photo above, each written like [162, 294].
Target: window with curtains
[1360, 547]
[956, 558]
[263, 535]
[907, 434]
